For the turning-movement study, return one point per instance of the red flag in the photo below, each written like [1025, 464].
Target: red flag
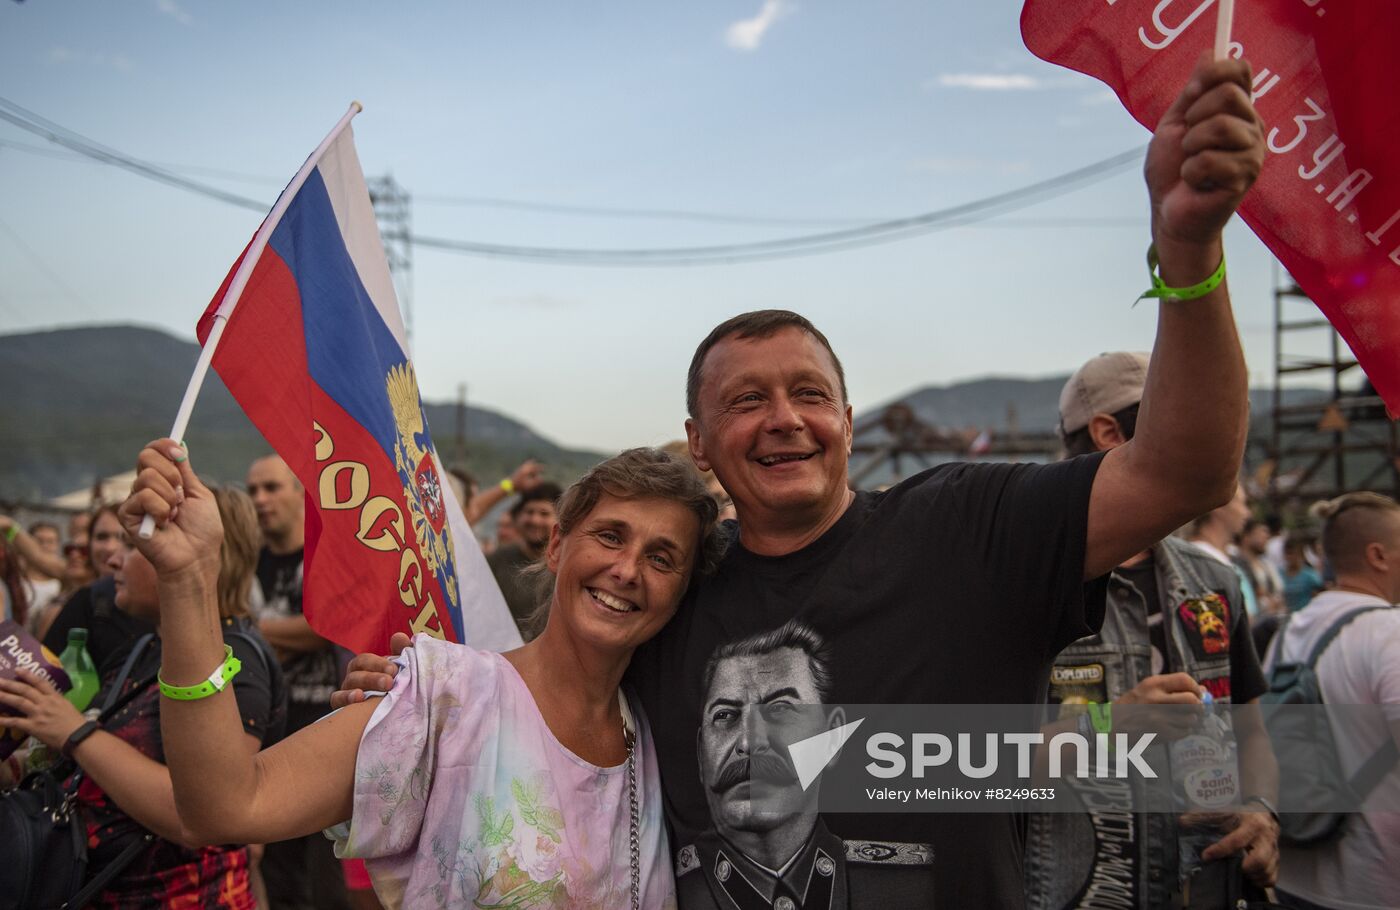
[1328, 200]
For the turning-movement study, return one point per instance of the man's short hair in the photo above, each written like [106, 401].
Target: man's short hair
[757, 324]
[38, 526]
[793, 634]
[1080, 442]
[1351, 522]
[550, 492]
[1105, 384]
[296, 481]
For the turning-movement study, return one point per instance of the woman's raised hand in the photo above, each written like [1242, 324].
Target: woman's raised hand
[188, 530]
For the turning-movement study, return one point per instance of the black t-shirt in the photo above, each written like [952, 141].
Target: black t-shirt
[1247, 680]
[110, 629]
[311, 676]
[521, 596]
[958, 586]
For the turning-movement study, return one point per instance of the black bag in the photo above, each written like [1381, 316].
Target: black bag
[45, 836]
[1306, 749]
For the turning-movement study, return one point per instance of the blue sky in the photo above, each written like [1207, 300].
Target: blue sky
[797, 110]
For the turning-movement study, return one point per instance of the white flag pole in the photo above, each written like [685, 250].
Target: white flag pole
[240, 281]
[1224, 22]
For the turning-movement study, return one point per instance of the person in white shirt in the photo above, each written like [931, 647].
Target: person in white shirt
[1361, 539]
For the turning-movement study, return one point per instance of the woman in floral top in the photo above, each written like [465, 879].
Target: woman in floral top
[486, 780]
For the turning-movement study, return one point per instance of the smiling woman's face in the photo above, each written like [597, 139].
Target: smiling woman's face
[622, 570]
[104, 542]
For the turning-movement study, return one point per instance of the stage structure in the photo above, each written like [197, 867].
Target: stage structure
[1323, 445]
[896, 437]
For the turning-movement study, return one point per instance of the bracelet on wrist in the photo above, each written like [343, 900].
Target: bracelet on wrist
[86, 729]
[11, 532]
[218, 680]
[508, 486]
[1161, 291]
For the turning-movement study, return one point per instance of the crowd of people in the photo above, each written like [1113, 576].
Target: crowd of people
[669, 599]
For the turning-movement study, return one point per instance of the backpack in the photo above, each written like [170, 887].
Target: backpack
[1306, 748]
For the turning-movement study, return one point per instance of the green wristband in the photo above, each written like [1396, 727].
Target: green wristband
[11, 532]
[1159, 287]
[217, 681]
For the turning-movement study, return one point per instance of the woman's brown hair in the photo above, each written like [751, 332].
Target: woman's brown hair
[238, 554]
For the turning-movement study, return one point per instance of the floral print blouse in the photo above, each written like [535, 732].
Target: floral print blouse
[464, 798]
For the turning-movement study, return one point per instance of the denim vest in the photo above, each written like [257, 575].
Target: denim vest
[1127, 859]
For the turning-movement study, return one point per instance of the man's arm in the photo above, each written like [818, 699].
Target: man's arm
[524, 478]
[291, 635]
[29, 548]
[1185, 455]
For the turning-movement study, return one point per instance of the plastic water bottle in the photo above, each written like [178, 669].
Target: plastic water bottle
[77, 663]
[1205, 768]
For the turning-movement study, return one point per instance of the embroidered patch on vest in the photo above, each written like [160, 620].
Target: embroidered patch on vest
[1077, 684]
[1207, 623]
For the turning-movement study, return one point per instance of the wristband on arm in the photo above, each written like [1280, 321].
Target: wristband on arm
[1159, 287]
[218, 680]
[87, 728]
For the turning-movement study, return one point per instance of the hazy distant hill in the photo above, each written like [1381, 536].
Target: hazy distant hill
[79, 403]
[984, 403]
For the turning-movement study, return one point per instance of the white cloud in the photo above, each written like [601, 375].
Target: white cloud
[65, 55]
[1097, 98]
[987, 82]
[174, 11]
[747, 34]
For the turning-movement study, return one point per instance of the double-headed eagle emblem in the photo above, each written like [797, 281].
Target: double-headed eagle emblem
[422, 487]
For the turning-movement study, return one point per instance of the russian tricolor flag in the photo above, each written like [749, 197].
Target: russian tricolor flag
[314, 350]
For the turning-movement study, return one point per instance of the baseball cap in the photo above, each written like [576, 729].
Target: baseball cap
[1104, 385]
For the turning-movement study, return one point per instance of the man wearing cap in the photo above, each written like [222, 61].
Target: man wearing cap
[1175, 628]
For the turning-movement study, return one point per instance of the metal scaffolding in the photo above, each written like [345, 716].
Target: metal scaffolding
[897, 433]
[1338, 442]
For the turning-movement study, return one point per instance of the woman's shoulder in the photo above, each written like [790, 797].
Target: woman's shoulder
[445, 666]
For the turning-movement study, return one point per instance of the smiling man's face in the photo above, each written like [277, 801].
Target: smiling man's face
[774, 426]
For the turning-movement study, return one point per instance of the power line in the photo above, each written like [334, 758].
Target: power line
[604, 211]
[808, 244]
[33, 123]
[802, 245]
[595, 211]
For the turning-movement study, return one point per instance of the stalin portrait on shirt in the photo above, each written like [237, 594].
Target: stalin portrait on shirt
[769, 846]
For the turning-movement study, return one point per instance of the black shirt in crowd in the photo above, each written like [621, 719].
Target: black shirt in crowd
[110, 630]
[958, 586]
[311, 677]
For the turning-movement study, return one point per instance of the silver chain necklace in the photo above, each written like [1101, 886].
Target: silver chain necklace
[629, 736]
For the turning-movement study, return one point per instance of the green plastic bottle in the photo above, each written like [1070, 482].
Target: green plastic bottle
[77, 663]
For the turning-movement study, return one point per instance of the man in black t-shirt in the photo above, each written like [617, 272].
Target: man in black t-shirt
[1176, 629]
[960, 584]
